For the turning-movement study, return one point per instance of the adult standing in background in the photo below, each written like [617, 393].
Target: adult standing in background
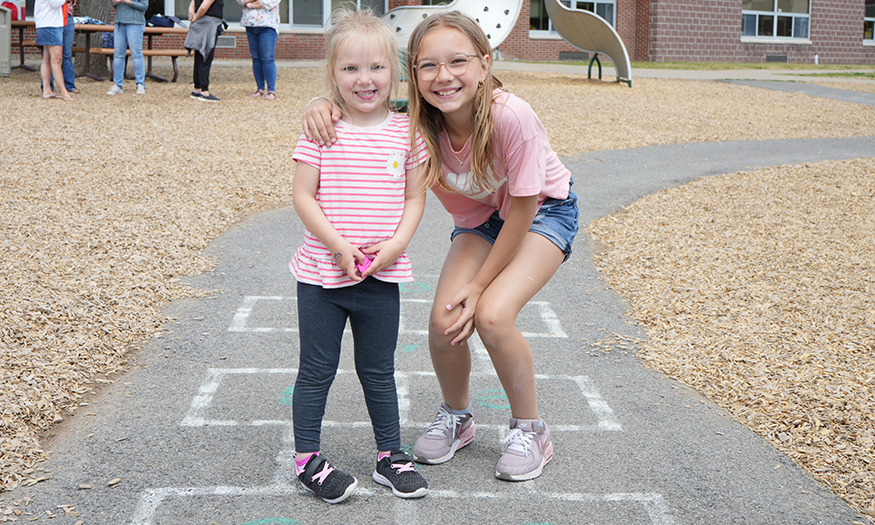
[130, 24]
[69, 38]
[261, 18]
[205, 17]
[50, 17]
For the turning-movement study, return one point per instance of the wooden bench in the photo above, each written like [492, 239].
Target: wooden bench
[148, 53]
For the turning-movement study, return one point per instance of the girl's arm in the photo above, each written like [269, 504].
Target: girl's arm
[414, 205]
[519, 219]
[319, 119]
[304, 188]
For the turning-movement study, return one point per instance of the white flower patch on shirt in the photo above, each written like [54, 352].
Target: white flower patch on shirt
[395, 163]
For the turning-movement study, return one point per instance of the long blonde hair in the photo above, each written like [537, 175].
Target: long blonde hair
[361, 24]
[429, 121]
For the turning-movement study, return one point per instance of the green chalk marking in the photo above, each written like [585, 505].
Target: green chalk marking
[286, 399]
[492, 398]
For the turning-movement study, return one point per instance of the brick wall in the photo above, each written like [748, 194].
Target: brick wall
[710, 31]
[652, 30]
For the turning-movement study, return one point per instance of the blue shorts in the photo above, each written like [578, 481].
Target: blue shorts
[557, 220]
[50, 36]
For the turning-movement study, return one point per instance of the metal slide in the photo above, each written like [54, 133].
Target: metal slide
[590, 32]
[497, 18]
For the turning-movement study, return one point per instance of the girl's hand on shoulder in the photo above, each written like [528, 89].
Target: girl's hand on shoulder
[318, 122]
[465, 299]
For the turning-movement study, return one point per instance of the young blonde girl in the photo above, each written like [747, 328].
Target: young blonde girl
[491, 165]
[361, 202]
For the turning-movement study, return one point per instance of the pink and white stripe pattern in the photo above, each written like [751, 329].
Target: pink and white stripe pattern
[361, 191]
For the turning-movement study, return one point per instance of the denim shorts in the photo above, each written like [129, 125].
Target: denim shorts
[50, 36]
[557, 220]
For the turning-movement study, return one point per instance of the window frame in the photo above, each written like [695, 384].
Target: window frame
[754, 19]
[552, 33]
[287, 13]
[869, 22]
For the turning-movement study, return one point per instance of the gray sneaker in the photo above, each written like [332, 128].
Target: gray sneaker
[447, 434]
[114, 90]
[141, 89]
[527, 448]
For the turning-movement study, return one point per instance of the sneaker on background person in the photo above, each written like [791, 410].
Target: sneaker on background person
[208, 97]
[114, 90]
[447, 434]
[325, 481]
[141, 89]
[527, 448]
[397, 472]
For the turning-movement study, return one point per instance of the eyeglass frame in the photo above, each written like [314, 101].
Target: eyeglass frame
[443, 63]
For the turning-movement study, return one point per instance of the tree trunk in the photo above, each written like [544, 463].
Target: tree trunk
[99, 10]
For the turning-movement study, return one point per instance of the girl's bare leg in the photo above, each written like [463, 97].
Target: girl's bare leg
[56, 54]
[45, 71]
[452, 363]
[526, 273]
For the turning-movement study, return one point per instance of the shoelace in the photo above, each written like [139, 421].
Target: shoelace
[444, 422]
[519, 441]
[404, 467]
[321, 476]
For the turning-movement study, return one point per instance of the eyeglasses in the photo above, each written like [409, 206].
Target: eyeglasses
[428, 69]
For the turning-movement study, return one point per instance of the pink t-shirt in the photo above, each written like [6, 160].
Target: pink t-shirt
[362, 180]
[525, 165]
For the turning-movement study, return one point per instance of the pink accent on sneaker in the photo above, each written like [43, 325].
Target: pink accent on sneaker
[527, 448]
[447, 434]
[301, 460]
[383, 455]
[320, 477]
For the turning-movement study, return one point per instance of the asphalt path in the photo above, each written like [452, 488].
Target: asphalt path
[199, 430]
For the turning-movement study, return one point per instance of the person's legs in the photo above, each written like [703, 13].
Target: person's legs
[69, 38]
[135, 42]
[45, 71]
[267, 44]
[56, 58]
[495, 318]
[321, 321]
[452, 363]
[196, 70]
[120, 46]
[252, 35]
[374, 319]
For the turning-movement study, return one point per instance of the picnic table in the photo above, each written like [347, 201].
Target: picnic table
[89, 29]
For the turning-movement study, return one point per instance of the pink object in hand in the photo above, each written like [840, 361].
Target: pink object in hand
[362, 266]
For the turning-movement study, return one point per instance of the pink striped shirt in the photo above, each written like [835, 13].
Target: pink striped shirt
[362, 180]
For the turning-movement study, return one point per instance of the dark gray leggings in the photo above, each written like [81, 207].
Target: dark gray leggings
[373, 308]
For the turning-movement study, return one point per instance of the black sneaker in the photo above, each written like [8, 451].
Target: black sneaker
[330, 484]
[397, 471]
[209, 98]
[195, 95]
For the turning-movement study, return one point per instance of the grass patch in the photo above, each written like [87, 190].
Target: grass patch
[852, 74]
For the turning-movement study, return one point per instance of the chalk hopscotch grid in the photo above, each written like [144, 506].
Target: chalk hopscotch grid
[243, 313]
[285, 482]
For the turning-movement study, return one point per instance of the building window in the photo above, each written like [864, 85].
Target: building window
[541, 22]
[776, 18]
[869, 21]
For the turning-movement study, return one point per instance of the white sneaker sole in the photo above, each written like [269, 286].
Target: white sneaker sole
[381, 479]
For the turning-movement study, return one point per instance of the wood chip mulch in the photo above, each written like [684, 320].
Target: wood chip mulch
[108, 201]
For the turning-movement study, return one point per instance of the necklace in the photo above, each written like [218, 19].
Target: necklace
[458, 158]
